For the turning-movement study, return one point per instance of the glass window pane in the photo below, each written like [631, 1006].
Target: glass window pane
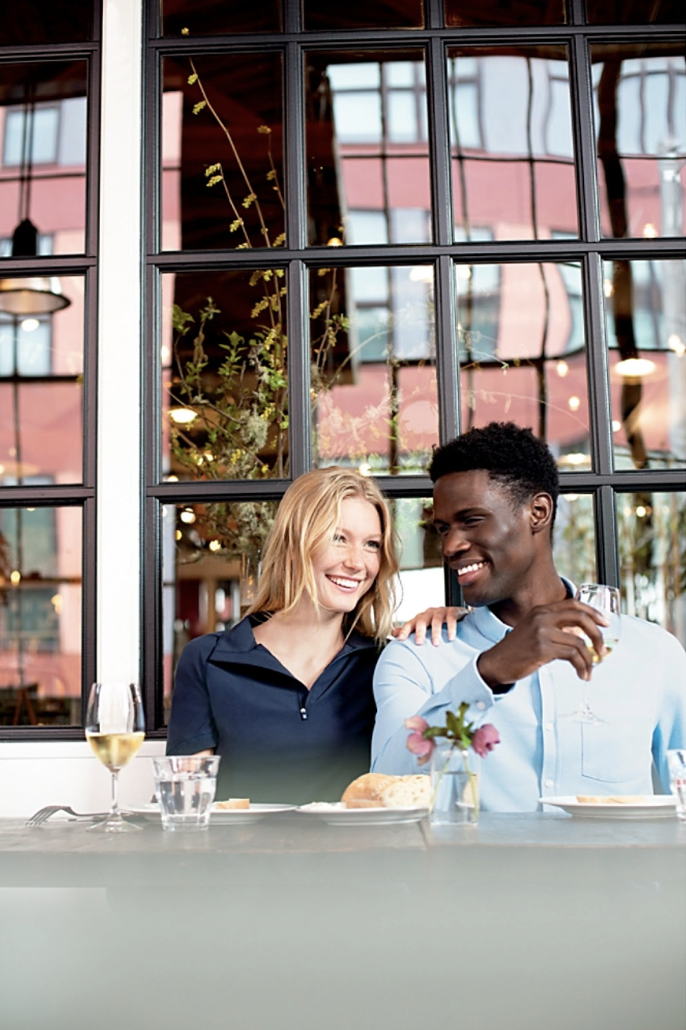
[43, 116]
[634, 12]
[511, 142]
[505, 12]
[217, 18]
[522, 353]
[652, 545]
[224, 375]
[640, 120]
[40, 616]
[574, 545]
[421, 577]
[211, 555]
[373, 362]
[364, 14]
[222, 170]
[41, 390]
[645, 317]
[366, 148]
[34, 21]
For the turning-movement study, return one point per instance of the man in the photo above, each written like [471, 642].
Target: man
[518, 658]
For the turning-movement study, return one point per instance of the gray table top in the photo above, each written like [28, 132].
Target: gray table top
[524, 922]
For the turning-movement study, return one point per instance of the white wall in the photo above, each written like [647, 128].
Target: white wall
[68, 773]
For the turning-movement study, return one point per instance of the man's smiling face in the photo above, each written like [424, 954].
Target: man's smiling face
[486, 536]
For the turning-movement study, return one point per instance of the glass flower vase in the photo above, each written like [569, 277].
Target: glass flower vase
[454, 787]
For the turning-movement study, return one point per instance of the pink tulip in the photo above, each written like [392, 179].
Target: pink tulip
[416, 722]
[485, 739]
[415, 742]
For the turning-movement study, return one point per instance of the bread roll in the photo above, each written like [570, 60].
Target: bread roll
[366, 788]
[407, 792]
[233, 803]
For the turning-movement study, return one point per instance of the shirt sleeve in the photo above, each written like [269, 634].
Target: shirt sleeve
[191, 724]
[670, 731]
[406, 684]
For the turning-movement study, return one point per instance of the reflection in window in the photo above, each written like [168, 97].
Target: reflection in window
[373, 352]
[505, 12]
[41, 391]
[645, 317]
[358, 14]
[216, 17]
[652, 546]
[211, 555]
[225, 375]
[369, 178]
[522, 352]
[43, 158]
[222, 174]
[40, 615]
[640, 118]
[421, 577]
[574, 545]
[511, 139]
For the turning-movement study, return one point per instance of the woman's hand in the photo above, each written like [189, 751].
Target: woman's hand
[436, 618]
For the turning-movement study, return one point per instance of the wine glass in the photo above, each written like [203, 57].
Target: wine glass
[606, 600]
[115, 729]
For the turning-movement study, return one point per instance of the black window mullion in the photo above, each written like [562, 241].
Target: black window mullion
[90, 380]
[152, 590]
[439, 142]
[299, 409]
[434, 14]
[607, 544]
[292, 16]
[581, 99]
[93, 155]
[88, 601]
[599, 400]
[294, 148]
[447, 351]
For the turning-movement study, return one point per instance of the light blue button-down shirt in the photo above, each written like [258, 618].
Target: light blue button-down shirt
[639, 692]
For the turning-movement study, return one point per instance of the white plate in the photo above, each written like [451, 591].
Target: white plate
[660, 806]
[337, 814]
[219, 815]
[246, 815]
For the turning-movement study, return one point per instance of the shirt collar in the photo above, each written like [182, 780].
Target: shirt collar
[238, 644]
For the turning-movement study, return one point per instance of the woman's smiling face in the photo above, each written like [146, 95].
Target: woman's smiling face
[346, 568]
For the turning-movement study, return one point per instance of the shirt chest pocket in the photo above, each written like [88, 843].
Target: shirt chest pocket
[616, 752]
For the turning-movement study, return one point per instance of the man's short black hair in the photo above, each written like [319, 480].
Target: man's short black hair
[511, 454]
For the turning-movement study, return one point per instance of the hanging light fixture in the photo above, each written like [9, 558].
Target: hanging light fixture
[31, 295]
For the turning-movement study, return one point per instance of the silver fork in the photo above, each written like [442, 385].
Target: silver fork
[44, 813]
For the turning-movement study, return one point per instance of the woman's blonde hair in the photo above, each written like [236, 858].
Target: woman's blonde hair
[305, 522]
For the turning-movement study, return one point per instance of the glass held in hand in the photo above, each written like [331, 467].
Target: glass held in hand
[115, 730]
[606, 600]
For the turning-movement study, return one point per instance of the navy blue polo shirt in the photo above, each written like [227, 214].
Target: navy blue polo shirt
[277, 740]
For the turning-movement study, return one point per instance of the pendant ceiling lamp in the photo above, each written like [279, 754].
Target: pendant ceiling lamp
[31, 295]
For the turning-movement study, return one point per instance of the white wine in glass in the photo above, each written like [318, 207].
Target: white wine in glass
[606, 600]
[115, 730]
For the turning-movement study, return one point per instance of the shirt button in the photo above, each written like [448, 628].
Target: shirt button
[549, 783]
[481, 705]
[549, 725]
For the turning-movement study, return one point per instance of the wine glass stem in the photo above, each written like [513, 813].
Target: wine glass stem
[114, 811]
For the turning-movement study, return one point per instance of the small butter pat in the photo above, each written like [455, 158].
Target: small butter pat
[233, 803]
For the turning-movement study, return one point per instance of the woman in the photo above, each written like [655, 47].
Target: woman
[285, 697]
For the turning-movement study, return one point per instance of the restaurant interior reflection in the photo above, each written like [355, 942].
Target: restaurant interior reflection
[472, 212]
